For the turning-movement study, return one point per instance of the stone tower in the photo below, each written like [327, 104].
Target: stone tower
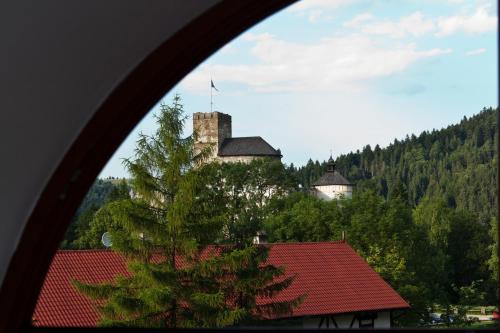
[211, 129]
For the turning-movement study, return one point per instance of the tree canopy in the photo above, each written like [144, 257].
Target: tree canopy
[166, 230]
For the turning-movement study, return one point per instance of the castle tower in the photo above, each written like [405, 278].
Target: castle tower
[332, 185]
[211, 129]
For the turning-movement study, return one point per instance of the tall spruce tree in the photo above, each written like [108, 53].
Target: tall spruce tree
[176, 278]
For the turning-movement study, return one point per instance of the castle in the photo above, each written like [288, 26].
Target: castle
[214, 129]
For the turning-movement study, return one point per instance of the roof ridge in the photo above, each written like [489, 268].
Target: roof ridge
[331, 178]
[219, 245]
[245, 137]
[308, 243]
[85, 250]
[247, 146]
[267, 143]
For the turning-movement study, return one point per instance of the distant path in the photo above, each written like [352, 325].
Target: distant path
[481, 317]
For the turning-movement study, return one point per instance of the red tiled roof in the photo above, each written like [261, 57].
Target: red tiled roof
[332, 275]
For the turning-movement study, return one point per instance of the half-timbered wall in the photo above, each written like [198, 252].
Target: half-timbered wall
[380, 319]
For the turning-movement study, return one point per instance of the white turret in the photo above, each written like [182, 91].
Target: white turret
[332, 185]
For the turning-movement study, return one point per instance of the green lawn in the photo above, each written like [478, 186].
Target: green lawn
[485, 324]
[479, 324]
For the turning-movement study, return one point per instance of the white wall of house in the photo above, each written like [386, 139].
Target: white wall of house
[330, 192]
[382, 320]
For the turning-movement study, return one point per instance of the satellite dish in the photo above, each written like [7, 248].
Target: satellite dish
[106, 239]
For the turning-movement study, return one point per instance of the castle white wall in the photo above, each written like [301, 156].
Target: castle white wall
[236, 159]
[330, 192]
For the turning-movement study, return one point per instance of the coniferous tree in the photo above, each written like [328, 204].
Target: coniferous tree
[176, 278]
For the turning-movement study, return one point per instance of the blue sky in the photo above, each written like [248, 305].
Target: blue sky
[340, 74]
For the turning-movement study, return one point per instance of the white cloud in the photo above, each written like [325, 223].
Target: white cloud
[250, 37]
[358, 20]
[470, 4]
[414, 24]
[479, 22]
[318, 9]
[475, 52]
[315, 15]
[336, 63]
[319, 4]
[228, 49]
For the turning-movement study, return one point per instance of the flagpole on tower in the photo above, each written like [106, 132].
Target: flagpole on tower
[212, 86]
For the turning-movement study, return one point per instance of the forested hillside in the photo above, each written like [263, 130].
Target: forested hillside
[457, 164]
[101, 192]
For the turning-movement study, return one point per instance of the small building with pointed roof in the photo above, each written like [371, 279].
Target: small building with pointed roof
[332, 185]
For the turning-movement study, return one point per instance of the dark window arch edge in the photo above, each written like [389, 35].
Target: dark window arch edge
[102, 135]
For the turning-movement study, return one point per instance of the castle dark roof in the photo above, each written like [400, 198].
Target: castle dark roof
[331, 178]
[247, 146]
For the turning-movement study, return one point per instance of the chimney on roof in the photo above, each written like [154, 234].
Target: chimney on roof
[260, 238]
[343, 236]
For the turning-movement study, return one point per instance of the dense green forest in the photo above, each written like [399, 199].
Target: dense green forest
[422, 213]
[457, 164]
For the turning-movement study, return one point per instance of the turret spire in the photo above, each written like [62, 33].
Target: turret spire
[330, 165]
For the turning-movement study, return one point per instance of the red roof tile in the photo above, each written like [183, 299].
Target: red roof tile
[332, 275]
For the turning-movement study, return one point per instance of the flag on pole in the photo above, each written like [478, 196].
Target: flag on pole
[212, 85]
